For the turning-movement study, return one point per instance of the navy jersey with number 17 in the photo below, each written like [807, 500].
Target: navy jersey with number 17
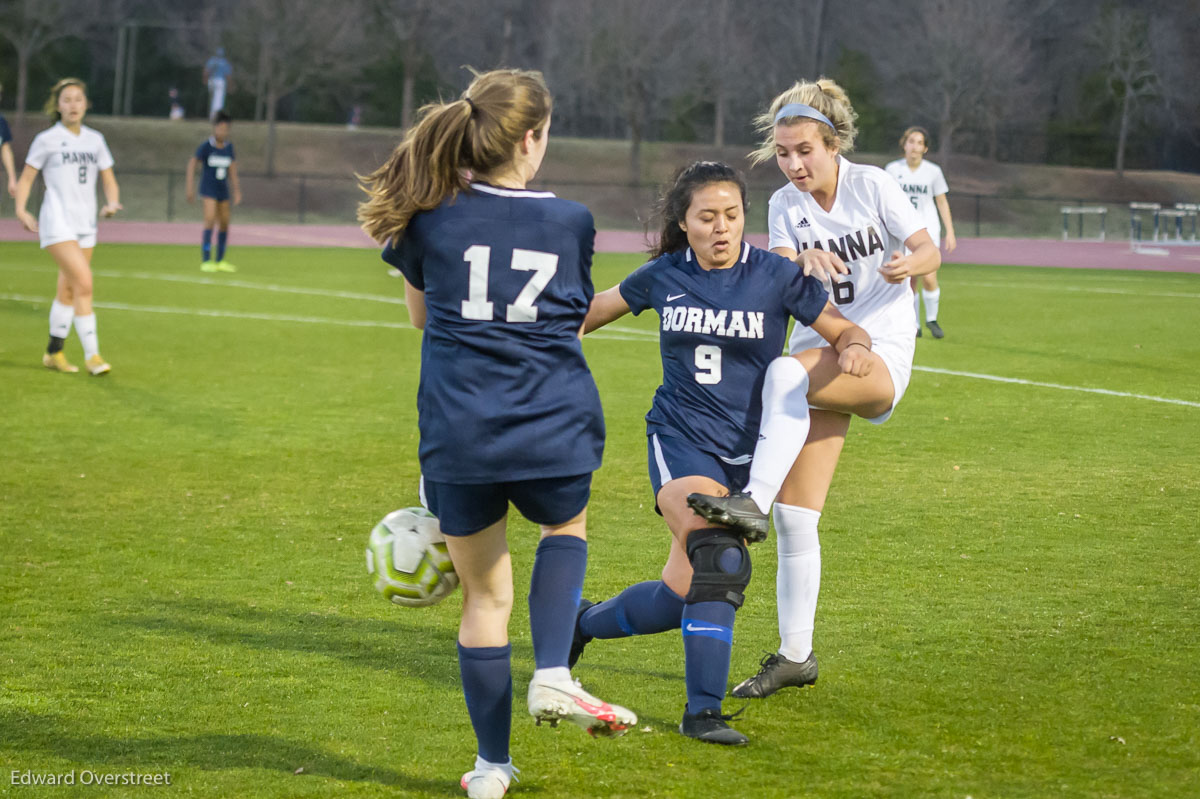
[505, 392]
[720, 329]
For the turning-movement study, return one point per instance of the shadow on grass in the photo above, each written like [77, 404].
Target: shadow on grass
[420, 651]
[43, 735]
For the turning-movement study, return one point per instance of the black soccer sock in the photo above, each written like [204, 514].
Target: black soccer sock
[55, 345]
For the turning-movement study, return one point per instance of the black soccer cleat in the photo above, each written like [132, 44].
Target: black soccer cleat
[709, 726]
[738, 510]
[919, 333]
[777, 672]
[935, 329]
[579, 641]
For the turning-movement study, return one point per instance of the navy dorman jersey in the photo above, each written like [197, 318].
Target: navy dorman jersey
[215, 162]
[505, 392]
[720, 329]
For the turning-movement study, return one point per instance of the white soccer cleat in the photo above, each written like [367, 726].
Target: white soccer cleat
[567, 701]
[488, 780]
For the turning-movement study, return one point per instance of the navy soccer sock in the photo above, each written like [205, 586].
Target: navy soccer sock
[641, 609]
[487, 687]
[206, 244]
[707, 642]
[554, 591]
[222, 237]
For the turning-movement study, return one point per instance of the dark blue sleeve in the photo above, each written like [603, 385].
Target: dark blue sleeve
[202, 152]
[232, 157]
[804, 297]
[405, 257]
[5, 133]
[636, 288]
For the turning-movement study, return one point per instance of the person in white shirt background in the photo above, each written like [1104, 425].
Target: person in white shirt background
[926, 188]
[71, 159]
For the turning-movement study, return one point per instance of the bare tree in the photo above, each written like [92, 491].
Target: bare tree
[972, 57]
[32, 25]
[639, 43]
[298, 41]
[1123, 41]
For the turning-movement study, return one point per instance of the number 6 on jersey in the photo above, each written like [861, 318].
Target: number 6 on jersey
[478, 307]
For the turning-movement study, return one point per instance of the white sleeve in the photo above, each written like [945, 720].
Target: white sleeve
[104, 156]
[896, 210]
[37, 155]
[938, 183]
[778, 227]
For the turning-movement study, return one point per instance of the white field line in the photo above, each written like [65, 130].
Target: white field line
[615, 334]
[610, 333]
[1018, 381]
[1079, 289]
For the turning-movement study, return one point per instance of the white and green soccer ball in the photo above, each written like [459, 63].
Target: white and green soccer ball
[407, 558]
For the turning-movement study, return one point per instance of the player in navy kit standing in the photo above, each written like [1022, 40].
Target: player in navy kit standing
[724, 307]
[851, 225]
[217, 177]
[499, 279]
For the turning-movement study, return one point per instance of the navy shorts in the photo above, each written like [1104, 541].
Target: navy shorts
[465, 509]
[672, 457]
[220, 193]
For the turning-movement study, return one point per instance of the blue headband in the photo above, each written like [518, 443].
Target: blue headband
[802, 110]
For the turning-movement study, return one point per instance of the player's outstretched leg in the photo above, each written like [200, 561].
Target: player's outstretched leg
[488, 780]
[777, 672]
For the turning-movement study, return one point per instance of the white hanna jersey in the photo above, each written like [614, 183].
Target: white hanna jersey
[70, 166]
[870, 219]
[922, 185]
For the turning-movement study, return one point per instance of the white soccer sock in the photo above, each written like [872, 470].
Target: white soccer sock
[85, 326]
[798, 580]
[60, 319]
[917, 307]
[931, 303]
[553, 676]
[782, 431]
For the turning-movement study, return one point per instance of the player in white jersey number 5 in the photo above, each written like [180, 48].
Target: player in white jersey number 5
[850, 223]
[70, 157]
[926, 188]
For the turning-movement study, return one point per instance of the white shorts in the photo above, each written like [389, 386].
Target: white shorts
[896, 351]
[56, 226]
[48, 237]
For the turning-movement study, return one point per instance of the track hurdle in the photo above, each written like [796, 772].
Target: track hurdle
[1081, 211]
[1135, 222]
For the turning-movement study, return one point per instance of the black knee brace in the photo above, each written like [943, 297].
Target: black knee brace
[712, 579]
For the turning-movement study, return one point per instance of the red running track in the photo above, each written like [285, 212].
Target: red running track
[1021, 252]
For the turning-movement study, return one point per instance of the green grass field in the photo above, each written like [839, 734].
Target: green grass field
[1009, 605]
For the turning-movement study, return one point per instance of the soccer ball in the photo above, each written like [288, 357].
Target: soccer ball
[408, 560]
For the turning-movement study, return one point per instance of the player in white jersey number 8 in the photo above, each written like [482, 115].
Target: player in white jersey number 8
[851, 224]
[69, 156]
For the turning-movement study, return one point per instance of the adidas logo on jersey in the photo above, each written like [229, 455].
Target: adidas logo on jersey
[803, 223]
